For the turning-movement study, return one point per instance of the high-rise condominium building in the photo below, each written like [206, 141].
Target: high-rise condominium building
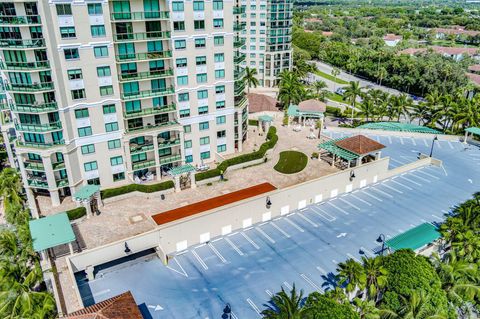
[268, 35]
[117, 92]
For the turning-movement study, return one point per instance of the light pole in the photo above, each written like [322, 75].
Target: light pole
[433, 143]
[381, 239]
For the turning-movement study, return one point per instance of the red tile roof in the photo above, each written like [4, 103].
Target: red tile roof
[442, 50]
[392, 37]
[475, 78]
[312, 105]
[474, 68]
[327, 33]
[122, 306]
[456, 31]
[360, 145]
[261, 103]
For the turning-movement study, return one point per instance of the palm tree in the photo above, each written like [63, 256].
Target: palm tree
[352, 276]
[351, 93]
[415, 306]
[10, 187]
[291, 89]
[375, 277]
[250, 78]
[366, 309]
[335, 72]
[319, 87]
[283, 305]
[367, 108]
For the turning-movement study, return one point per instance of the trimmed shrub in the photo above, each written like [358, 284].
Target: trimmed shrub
[253, 122]
[76, 213]
[112, 192]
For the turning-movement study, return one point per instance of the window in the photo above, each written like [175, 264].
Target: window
[109, 109]
[220, 104]
[203, 126]
[67, 32]
[188, 158]
[178, 25]
[218, 40]
[111, 127]
[114, 144]
[198, 5]
[64, 9]
[200, 43]
[118, 177]
[78, 94]
[219, 57]
[90, 166]
[217, 23]
[220, 89]
[188, 144]
[203, 94]
[100, 51]
[221, 119]
[187, 129]
[201, 60]
[85, 131]
[219, 74]
[217, 5]
[180, 44]
[221, 134]
[81, 113]
[117, 160]
[75, 74]
[97, 31]
[205, 155]
[182, 80]
[184, 113]
[202, 78]
[221, 148]
[204, 140]
[202, 110]
[199, 24]
[106, 90]
[71, 54]
[183, 97]
[177, 6]
[88, 149]
[95, 8]
[103, 71]
[181, 62]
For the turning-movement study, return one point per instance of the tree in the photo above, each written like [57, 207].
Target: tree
[283, 305]
[416, 306]
[321, 307]
[250, 78]
[10, 186]
[366, 309]
[375, 277]
[351, 276]
[352, 92]
[291, 89]
[319, 87]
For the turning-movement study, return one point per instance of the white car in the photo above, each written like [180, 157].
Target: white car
[340, 91]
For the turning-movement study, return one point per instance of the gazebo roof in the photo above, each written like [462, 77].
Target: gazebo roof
[179, 170]
[51, 231]
[473, 130]
[312, 106]
[293, 110]
[360, 145]
[261, 103]
[85, 192]
[265, 118]
[331, 147]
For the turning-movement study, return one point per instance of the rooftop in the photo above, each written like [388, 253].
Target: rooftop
[475, 78]
[86, 192]
[392, 37]
[474, 68]
[360, 145]
[312, 106]
[442, 50]
[261, 103]
[414, 238]
[51, 231]
[399, 127]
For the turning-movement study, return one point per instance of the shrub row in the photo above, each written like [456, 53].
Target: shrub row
[76, 213]
[112, 192]
[272, 139]
[253, 122]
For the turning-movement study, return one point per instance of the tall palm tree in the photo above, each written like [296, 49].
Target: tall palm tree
[319, 87]
[375, 277]
[352, 276]
[415, 306]
[367, 108]
[366, 309]
[250, 78]
[291, 89]
[352, 92]
[283, 305]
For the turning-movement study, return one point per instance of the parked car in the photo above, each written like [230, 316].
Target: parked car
[340, 91]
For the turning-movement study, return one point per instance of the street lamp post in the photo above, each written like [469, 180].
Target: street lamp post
[381, 239]
[433, 143]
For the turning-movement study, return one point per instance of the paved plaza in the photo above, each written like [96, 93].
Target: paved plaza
[246, 267]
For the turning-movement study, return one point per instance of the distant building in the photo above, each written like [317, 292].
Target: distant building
[474, 78]
[442, 33]
[452, 52]
[392, 40]
[474, 68]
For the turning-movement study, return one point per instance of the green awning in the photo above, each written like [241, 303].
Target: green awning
[330, 146]
[295, 112]
[265, 118]
[51, 231]
[414, 238]
[473, 130]
[86, 192]
[179, 170]
[399, 127]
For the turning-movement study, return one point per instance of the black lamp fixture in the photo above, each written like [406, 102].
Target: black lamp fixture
[127, 249]
[381, 239]
[433, 143]
[269, 202]
[352, 175]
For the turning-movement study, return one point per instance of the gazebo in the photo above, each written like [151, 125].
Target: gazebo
[265, 121]
[471, 131]
[85, 195]
[309, 109]
[179, 171]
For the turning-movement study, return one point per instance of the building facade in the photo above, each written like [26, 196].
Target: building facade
[268, 37]
[118, 92]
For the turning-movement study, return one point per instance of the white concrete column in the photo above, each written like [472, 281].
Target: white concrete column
[176, 180]
[55, 198]
[70, 247]
[465, 141]
[333, 160]
[157, 159]
[378, 155]
[193, 182]
[87, 206]
[32, 205]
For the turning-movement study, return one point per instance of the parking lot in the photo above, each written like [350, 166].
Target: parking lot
[303, 248]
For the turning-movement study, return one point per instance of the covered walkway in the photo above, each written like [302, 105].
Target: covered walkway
[414, 238]
[399, 127]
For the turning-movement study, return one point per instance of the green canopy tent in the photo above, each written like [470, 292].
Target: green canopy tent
[85, 195]
[178, 171]
[471, 131]
[415, 238]
[51, 231]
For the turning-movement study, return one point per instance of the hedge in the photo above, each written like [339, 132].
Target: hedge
[76, 213]
[253, 122]
[272, 139]
[112, 192]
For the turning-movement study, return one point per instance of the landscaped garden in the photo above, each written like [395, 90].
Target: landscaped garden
[291, 162]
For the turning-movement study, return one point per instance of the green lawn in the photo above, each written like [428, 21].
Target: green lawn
[291, 162]
[330, 77]
[336, 97]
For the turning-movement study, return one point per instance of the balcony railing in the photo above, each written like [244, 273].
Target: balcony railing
[170, 159]
[141, 148]
[239, 75]
[145, 75]
[144, 56]
[34, 108]
[239, 58]
[34, 166]
[31, 87]
[150, 127]
[59, 165]
[239, 26]
[40, 145]
[37, 183]
[33, 19]
[238, 43]
[151, 111]
[123, 16]
[39, 128]
[142, 36]
[142, 165]
[239, 88]
[27, 66]
[22, 44]
[148, 93]
[241, 103]
[62, 182]
[169, 143]
[238, 10]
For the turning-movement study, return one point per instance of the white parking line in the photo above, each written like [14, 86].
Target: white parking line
[350, 204]
[250, 241]
[280, 230]
[397, 161]
[413, 141]
[101, 292]
[265, 235]
[450, 144]
[178, 272]
[308, 280]
[234, 246]
[353, 257]
[407, 187]
[401, 140]
[367, 252]
[413, 182]
[425, 142]
[216, 252]
[439, 218]
[363, 201]
[286, 284]
[393, 189]
[234, 316]
[294, 225]
[320, 269]
[330, 217]
[419, 177]
[439, 144]
[380, 191]
[269, 293]
[250, 302]
[202, 263]
[334, 206]
[429, 175]
[372, 196]
[305, 218]
[389, 139]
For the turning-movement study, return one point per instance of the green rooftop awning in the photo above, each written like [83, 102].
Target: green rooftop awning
[414, 238]
[399, 127]
[473, 130]
[179, 170]
[265, 118]
[51, 231]
[85, 192]
[295, 112]
[336, 150]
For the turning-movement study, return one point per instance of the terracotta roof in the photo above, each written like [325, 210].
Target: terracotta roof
[457, 31]
[360, 145]
[475, 78]
[122, 306]
[261, 103]
[412, 51]
[392, 37]
[327, 33]
[442, 50]
[474, 68]
[312, 105]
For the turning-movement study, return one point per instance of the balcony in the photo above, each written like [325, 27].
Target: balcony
[145, 75]
[151, 127]
[144, 56]
[239, 58]
[142, 36]
[151, 111]
[37, 182]
[31, 87]
[34, 166]
[141, 148]
[239, 75]
[142, 165]
[18, 20]
[238, 10]
[34, 108]
[238, 43]
[239, 88]
[148, 93]
[39, 128]
[22, 44]
[169, 143]
[40, 145]
[57, 166]
[239, 26]
[140, 16]
[241, 103]
[170, 159]
[62, 182]
[25, 66]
